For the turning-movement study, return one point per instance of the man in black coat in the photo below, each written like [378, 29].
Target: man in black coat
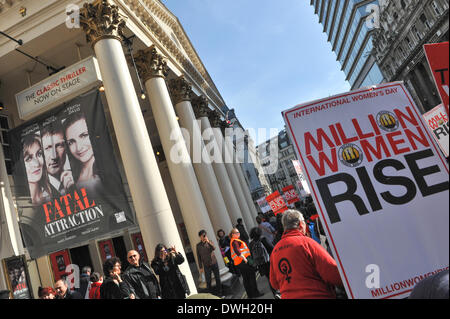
[140, 278]
[85, 280]
[63, 291]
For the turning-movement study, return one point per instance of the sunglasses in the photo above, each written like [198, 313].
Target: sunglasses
[132, 257]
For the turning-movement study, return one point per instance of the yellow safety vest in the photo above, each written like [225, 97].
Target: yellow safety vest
[243, 250]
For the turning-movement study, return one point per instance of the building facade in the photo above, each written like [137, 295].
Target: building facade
[276, 156]
[405, 26]
[345, 23]
[153, 85]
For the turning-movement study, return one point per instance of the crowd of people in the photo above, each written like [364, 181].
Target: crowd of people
[244, 253]
[289, 249]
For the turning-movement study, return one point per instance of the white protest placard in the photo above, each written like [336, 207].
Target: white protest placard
[381, 187]
[437, 121]
[301, 176]
[263, 205]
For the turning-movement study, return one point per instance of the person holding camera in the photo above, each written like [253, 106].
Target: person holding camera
[207, 262]
[140, 278]
[165, 264]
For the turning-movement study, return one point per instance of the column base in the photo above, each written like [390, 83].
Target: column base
[225, 276]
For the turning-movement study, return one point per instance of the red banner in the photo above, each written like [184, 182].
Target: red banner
[437, 55]
[277, 203]
[291, 194]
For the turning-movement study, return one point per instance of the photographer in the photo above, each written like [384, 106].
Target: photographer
[172, 281]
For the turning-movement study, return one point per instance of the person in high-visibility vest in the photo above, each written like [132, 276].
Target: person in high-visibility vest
[240, 254]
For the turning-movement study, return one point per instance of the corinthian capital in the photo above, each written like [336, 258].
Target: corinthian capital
[101, 20]
[180, 90]
[200, 106]
[151, 64]
[214, 119]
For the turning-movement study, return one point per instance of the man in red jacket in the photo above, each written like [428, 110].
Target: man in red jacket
[300, 268]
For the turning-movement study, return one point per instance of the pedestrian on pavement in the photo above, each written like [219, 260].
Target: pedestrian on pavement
[240, 226]
[240, 253]
[46, 293]
[224, 244]
[260, 255]
[279, 229]
[207, 262]
[267, 231]
[140, 278]
[300, 268]
[113, 287]
[165, 264]
[96, 282]
[85, 282]
[63, 291]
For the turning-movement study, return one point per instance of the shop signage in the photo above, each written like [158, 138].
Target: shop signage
[60, 87]
[380, 185]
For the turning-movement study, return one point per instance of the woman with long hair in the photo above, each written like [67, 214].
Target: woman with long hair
[81, 153]
[172, 281]
[34, 165]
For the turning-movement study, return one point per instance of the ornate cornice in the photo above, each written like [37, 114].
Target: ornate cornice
[200, 106]
[151, 13]
[151, 64]
[180, 90]
[101, 20]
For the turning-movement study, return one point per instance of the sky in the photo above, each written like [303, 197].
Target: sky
[264, 56]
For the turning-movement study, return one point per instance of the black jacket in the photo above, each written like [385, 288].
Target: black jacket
[110, 290]
[142, 281]
[84, 284]
[72, 295]
[173, 283]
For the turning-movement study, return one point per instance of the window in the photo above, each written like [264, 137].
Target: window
[424, 20]
[416, 32]
[4, 127]
[409, 43]
[402, 52]
[436, 7]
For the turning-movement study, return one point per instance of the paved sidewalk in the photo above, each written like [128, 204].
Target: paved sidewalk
[238, 291]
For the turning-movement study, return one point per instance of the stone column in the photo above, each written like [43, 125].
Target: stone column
[103, 26]
[243, 182]
[227, 157]
[246, 188]
[10, 239]
[201, 110]
[181, 93]
[153, 69]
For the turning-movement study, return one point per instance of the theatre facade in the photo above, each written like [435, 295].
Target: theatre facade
[114, 138]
